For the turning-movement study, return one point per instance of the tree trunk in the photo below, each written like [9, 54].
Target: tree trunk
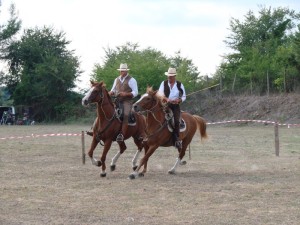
[268, 83]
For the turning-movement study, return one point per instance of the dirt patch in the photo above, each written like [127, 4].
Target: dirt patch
[232, 178]
[282, 108]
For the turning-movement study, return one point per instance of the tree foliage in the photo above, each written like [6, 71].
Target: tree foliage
[42, 72]
[147, 66]
[8, 31]
[262, 58]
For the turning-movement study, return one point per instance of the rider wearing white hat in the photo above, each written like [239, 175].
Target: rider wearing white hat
[125, 89]
[174, 93]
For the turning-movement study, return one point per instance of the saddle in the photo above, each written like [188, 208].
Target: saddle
[119, 108]
[170, 121]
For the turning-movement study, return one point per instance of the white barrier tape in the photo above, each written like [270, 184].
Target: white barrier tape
[41, 135]
[255, 121]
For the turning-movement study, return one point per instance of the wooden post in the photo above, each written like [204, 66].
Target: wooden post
[83, 149]
[276, 139]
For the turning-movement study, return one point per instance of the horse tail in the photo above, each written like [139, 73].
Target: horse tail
[201, 124]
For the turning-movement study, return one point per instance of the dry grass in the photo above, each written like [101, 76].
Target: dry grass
[233, 178]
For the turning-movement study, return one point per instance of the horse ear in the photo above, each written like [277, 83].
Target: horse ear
[149, 90]
[92, 82]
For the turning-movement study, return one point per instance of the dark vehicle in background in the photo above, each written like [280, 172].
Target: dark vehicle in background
[7, 115]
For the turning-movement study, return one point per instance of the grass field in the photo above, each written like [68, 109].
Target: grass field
[232, 178]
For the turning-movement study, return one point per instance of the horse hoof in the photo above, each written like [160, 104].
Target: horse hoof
[141, 174]
[112, 167]
[102, 174]
[131, 177]
[171, 172]
[183, 163]
[134, 168]
[96, 162]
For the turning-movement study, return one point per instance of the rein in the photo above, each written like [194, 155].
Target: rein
[101, 100]
[109, 120]
[162, 125]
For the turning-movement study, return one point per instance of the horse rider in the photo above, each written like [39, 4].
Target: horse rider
[174, 94]
[125, 89]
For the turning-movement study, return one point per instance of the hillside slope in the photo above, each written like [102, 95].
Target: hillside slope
[284, 108]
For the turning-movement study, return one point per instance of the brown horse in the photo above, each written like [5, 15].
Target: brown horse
[107, 126]
[157, 129]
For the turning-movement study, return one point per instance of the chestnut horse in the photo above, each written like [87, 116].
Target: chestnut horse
[108, 125]
[158, 134]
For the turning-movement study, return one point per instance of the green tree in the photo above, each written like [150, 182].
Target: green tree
[8, 31]
[296, 48]
[42, 72]
[187, 72]
[147, 66]
[256, 43]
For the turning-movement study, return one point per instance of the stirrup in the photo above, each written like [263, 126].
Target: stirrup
[178, 144]
[120, 138]
[90, 133]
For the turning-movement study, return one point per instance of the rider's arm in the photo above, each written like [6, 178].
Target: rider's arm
[112, 91]
[133, 85]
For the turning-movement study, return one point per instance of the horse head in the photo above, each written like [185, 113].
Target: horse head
[148, 101]
[95, 94]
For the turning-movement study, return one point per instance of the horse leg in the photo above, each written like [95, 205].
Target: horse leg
[134, 160]
[94, 144]
[139, 144]
[148, 152]
[179, 159]
[122, 147]
[173, 169]
[107, 145]
[146, 147]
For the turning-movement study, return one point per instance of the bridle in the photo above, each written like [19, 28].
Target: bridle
[152, 110]
[101, 106]
[110, 120]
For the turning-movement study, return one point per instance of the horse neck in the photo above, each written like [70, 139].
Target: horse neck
[105, 109]
[156, 117]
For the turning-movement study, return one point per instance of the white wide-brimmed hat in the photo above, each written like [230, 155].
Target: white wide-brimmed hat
[123, 67]
[171, 72]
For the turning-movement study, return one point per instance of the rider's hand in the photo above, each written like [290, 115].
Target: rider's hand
[175, 101]
[125, 94]
[122, 94]
[165, 100]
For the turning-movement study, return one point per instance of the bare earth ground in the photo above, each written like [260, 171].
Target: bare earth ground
[284, 108]
[232, 178]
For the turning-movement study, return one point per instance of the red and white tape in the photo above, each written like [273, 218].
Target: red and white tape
[209, 123]
[255, 121]
[40, 135]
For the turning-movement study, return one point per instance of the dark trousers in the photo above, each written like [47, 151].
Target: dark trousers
[127, 107]
[176, 113]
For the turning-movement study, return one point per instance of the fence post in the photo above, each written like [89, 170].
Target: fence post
[276, 139]
[83, 148]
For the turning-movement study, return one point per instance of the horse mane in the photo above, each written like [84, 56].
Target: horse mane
[156, 94]
[94, 83]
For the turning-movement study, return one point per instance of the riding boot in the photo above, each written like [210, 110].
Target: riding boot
[91, 133]
[178, 142]
[120, 137]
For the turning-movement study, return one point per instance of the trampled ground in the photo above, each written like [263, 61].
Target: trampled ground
[232, 178]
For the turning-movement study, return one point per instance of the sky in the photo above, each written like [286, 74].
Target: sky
[196, 28]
